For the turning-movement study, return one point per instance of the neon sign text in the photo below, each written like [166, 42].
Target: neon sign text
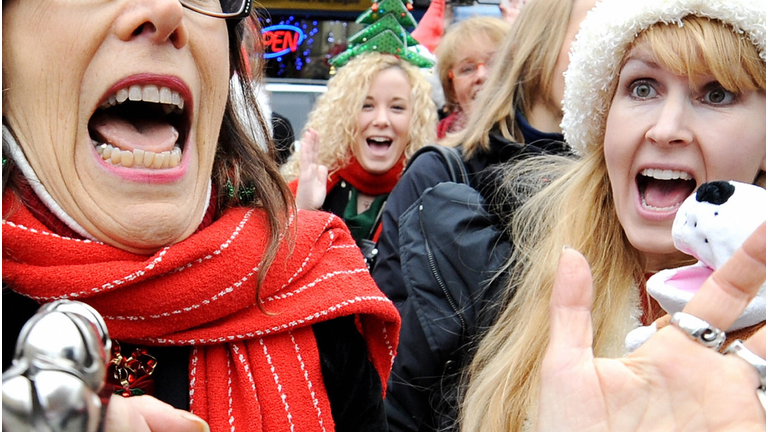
[281, 39]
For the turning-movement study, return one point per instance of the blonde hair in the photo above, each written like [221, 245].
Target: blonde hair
[577, 209]
[467, 33]
[335, 113]
[523, 71]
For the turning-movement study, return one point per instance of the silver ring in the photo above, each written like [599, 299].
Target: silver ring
[699, 330]
[737, 347]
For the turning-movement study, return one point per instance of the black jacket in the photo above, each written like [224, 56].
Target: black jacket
[422, 390]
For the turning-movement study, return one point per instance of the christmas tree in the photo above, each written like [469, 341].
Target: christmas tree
[386, 33]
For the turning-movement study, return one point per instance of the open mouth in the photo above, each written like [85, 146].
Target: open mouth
[664, 190]
[141, 127]
[379, 142]
[379, 145]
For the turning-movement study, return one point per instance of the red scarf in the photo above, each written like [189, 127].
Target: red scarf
[362, 180]
[455, 122]
[249, 370]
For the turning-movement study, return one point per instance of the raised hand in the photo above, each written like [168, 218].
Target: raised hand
[671, 382]
[311, 190]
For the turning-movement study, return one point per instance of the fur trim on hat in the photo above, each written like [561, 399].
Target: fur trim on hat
[606, 34]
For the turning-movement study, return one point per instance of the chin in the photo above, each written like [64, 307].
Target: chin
[377, 167]
[147, 243]
[145, 229]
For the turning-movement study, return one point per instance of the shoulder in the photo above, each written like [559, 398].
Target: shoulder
[425, 169]
[315, 224]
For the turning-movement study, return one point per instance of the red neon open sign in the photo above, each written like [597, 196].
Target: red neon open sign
[281, 39]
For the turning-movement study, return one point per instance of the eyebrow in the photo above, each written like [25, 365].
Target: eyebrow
[394, 99]
[641, 59]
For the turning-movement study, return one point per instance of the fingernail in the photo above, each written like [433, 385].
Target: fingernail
[202, 426]
[565, 248]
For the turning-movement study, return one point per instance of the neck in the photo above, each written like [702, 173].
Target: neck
[544, 119]
[658, 262]
[365, 182]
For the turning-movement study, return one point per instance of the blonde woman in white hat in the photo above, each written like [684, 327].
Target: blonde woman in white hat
[653, 87]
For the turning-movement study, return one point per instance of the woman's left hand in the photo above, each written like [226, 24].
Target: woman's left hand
[671, 382]
[311, 190]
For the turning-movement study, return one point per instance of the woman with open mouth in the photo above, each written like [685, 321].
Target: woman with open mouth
[661, 96]
[376, 113]
[130, 185]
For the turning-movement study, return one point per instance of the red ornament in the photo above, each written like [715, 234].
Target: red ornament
[402, 14]
[375, 7]
[409, 6]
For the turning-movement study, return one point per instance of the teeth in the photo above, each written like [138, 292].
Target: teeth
[135, 93]
[151, 94]
[166, 97]
[645, 204]
[171, 100]
[663, 174]
[139, 158]
[121, 95]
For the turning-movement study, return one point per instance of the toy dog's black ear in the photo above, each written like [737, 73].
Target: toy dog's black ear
[716, 192]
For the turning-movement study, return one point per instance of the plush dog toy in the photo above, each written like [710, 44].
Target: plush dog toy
[710, 225]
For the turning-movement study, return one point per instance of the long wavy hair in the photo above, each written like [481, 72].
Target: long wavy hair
[244, 171]
[522, 73]
[335, 113]
[576, 208]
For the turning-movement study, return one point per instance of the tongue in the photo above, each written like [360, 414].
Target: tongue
[146, 134]
[666, 193]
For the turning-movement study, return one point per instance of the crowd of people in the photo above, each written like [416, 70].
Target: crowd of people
[231, 289]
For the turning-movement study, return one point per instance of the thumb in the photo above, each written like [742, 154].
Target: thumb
[570, 316]
[147, 414]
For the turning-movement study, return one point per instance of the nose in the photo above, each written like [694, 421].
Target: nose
[672, 125]
[382, 118]
[160, 21]
[483, 70]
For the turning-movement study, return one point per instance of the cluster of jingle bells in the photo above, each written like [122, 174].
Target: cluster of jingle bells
[57, 375]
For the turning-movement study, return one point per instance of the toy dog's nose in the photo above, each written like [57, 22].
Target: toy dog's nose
[716, 192]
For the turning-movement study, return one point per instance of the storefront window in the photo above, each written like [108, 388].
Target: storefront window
[300, 46]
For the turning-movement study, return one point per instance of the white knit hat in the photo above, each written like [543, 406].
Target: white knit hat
[605, 36]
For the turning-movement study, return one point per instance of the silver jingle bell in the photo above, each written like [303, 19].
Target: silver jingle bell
[58, 370]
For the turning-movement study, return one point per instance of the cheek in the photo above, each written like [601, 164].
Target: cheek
[617, 152]
[404, 129]
[733, 150]
[211, 54]
[613, 150]
[462, 93]
[741, 163]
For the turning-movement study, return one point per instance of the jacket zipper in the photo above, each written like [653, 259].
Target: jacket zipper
[436, 275]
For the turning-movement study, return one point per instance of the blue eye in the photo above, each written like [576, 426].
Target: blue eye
[719, 96]
[642, 90]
